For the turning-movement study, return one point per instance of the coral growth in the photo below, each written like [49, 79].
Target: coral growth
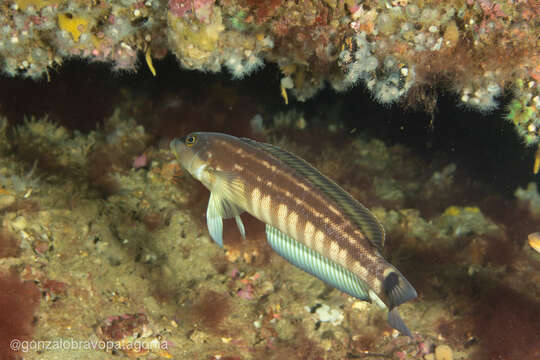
[477, 49]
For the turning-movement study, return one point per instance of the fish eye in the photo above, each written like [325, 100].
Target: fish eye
[191, 140]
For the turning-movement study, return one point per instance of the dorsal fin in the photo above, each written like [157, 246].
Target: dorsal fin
[358, 213]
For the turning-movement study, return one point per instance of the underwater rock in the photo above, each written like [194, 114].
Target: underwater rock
[464, 221]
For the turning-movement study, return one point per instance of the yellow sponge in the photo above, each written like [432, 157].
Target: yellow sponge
[37, 4]
[73, 25]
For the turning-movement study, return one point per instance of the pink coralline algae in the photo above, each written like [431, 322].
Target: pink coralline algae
[140, 161]
[202, 9]
[180, 7]
[491, 9]
[247, 292]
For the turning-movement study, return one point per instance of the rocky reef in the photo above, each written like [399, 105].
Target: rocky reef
[402, 51]
[104, 249]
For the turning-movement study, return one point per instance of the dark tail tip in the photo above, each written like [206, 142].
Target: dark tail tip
[398, 289]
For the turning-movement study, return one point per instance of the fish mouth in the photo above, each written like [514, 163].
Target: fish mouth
[175, 141]
[172, 146]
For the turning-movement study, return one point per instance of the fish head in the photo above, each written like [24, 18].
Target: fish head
[192, 152]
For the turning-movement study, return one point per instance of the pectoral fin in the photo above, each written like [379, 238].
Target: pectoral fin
[240, 226]
[314, 263]
[219, 209]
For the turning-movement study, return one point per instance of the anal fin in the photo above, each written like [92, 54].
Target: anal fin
[315, 264]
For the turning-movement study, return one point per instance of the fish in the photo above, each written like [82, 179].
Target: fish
[534, 241]
[310, 220]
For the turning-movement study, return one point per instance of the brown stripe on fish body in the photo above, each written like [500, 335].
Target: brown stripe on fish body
[365, 262]
[282, 214]
[263, 174]
[293, 192]
[292, 224]
[253, 196]
[317, 221]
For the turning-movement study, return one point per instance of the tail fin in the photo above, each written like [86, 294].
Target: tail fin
[398, 289]
[397, 323]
